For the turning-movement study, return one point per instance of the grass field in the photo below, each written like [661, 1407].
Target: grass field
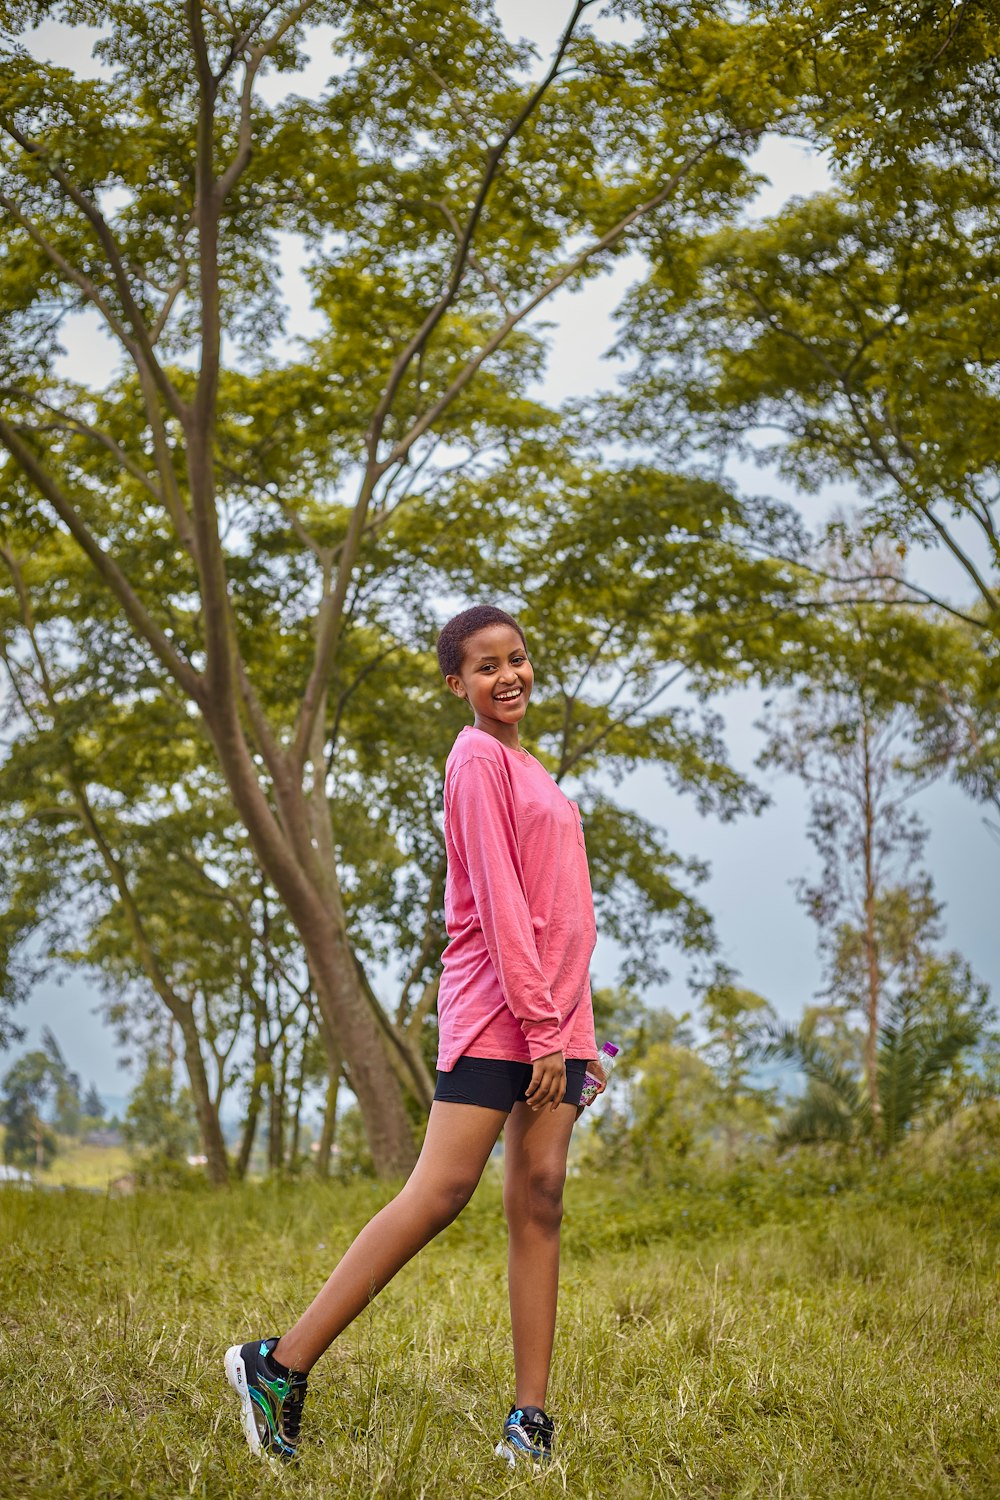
[811, 1332]
[79, 1165]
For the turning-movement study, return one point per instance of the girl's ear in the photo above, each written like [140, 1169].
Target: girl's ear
[456, 685]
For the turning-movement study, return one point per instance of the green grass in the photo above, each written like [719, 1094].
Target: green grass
[82, 1166]
[753, 1334]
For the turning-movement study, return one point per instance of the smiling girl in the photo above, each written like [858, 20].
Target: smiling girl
[516, 1034]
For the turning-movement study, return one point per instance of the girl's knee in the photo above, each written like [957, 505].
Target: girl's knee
[536, 1197]
[446, 1201]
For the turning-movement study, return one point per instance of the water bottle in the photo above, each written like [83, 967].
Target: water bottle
[607, 1057]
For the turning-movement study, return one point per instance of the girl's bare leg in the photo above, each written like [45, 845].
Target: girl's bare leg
[535, 1147]
[456, 1148]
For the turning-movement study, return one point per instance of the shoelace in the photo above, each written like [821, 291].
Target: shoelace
[291, 1411]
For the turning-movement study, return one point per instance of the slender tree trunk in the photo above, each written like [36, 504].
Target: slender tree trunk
[273, 1130]
[209, 1127]
[178, 1009]
[276, 1125]
[249, 1129]
[403, 1048]
[261, 1062]
[870, 938]
[293, 1150]
[329, 1131]
[328, 1134]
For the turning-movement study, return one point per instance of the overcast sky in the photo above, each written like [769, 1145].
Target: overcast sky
[764, 933]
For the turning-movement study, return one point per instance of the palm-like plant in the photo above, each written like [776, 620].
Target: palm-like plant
[914, 1057]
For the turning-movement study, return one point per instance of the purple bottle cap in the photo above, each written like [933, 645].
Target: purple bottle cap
[610, 1047]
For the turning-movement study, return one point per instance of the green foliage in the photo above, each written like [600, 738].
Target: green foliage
[672, 1097]
[160, 1118]
[440, 198]
[351, 1158]
[925, 1060]
[735, 1019]
[39, 1079]
[67, 1111]
[851, 335]
[27, 1139]
[93, 1105]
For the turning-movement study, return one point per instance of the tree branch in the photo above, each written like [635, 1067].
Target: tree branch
[89, 288]
[427, 943]
[474, 260]
[244, 148]
[493, 158]
[606, 240]
[63, 422]
[169, 300]
[877, 447]
[138, 616]
[591, 744]
[469, 120]
[139, 345]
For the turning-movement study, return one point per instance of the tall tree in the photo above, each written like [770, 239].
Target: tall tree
[122, 842]
[27, 1139]
[849, 737]
[93, 1105]
[66, 1106]
[160, 1117]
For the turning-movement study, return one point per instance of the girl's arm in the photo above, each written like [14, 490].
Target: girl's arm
[483, 831]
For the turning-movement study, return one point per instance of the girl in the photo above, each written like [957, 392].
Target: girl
[516, 1034]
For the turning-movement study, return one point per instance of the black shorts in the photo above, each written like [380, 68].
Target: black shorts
[496, 1083]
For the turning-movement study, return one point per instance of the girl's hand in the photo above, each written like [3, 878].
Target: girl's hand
[596, 1071]
[548, 1082]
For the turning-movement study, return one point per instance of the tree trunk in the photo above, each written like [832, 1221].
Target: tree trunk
[261, 1059]
[249, 1129]
[293, 1149]
[178, 1009]
[355, 1029]
[276, 1123]
[209, 1128]
[405, 1057]
[329, 1132]
[871, 939]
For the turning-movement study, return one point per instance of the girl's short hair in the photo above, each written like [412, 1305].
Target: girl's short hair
[451, 641]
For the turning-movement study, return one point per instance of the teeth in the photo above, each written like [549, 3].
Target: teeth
[507, 697]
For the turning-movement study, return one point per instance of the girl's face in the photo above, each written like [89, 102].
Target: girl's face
[496, 680]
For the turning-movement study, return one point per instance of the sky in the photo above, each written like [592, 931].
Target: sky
[764, 933]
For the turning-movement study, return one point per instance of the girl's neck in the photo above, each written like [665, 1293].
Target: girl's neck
[506, 734]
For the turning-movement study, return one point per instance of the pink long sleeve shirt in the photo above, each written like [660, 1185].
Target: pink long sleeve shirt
[519, 911]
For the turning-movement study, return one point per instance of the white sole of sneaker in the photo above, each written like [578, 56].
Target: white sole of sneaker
[236, 1374]
[511, 1455]
[507, 1454]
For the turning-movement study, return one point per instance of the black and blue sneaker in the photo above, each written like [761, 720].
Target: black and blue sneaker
[271, 1398]
[527, 1433]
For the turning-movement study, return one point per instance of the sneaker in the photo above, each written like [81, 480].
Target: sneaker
[527, 1433]
[271, 1403]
